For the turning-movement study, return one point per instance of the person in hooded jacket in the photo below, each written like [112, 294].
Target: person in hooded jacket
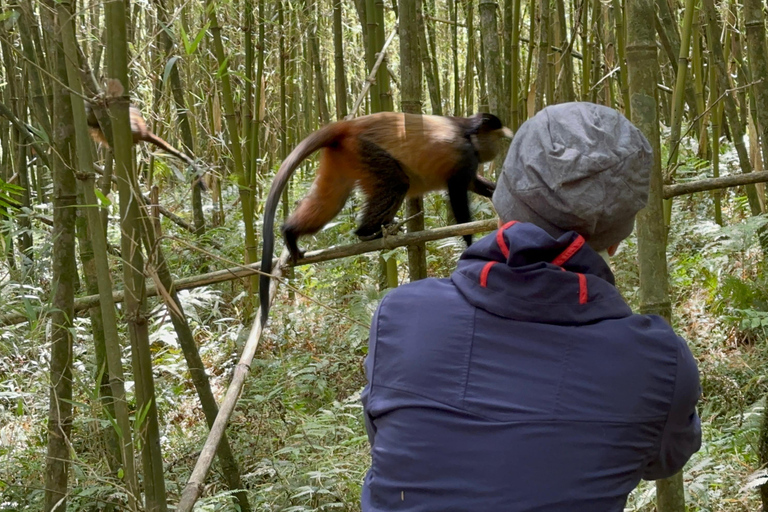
[525, 382]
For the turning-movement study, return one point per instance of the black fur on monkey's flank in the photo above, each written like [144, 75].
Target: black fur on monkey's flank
[390, 156]
[389, 185]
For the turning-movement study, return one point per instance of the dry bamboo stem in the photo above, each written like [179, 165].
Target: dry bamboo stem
[196, 482]
[372, 76]
[715, 184]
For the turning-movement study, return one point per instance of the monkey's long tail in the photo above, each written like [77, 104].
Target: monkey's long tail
[165, 146]
[322, 138]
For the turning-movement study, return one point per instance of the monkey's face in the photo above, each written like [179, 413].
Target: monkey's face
[487, 142]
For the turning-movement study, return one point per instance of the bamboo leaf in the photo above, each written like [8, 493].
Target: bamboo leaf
[40, 133]
[185, 40]
[198, 39]
[104, 200]
[9, 16]
[169, 67]
[223, 68]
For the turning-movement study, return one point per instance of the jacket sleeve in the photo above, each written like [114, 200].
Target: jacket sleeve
[681, 437]
[370, 360]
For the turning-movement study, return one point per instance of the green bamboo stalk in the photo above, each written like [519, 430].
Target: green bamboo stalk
[227, 97]
[622, 45]
[551, 71]
[744, 102]
[492, 55]
[6, 132]
[106, 317]
[433, 81]
[25, 241]
[338, 55]
[678, 98]
[732, 117]
[529, 59]
[697, 67]
[429, 5]
[37, 89]
[596, 61]
[256, 168]
[453, 7]
[133, 278]
[586, 51]
[757, 48]
[370, 54]
[543, 51]
[716, 118]
[60, 414]
[483, 103]
[509, 19]
[643, 65]
[564, 90]
[670, 37]
[382, 76]
[469, 74]
[410, 80]
[515, 66]
[248, 101]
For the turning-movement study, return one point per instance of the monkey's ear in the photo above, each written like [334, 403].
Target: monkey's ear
[483, 121]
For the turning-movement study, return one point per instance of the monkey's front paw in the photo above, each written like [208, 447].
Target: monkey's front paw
[391, 229]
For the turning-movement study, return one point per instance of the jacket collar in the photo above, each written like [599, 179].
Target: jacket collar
[523, 273]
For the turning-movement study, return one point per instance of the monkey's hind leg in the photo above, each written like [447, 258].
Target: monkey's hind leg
[325, 200]
[385, 185]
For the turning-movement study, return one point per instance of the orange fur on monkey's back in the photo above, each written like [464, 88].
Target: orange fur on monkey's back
[418, 142]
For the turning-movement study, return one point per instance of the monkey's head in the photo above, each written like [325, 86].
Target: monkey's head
[485, 131]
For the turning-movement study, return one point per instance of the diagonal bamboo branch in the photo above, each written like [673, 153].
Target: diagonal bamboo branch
[372, 76]
[196, 482]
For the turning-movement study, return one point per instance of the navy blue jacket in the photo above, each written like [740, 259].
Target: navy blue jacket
[523, 383]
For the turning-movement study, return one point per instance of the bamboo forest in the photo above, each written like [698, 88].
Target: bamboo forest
[139, 142]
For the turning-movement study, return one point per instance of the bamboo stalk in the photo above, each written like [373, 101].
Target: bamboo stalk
[106, 317]
[196, 482]
[64, 273]
[133, 278]
[622, 52]
[340, 81]
[372, 76]
[541, 68]
[433, 81]
[515, 65]
[678, 98]
[713, 28]
[453, 6]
